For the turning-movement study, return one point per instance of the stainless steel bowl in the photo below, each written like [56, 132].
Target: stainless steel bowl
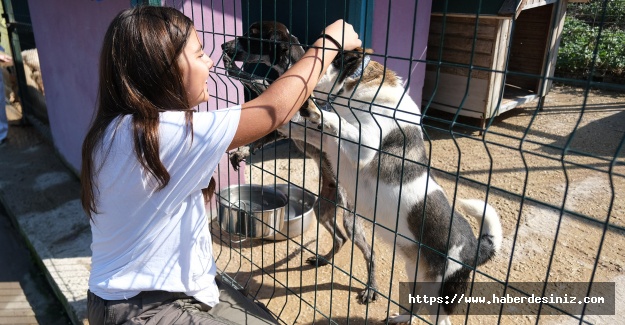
[300, 213]
[252, 211]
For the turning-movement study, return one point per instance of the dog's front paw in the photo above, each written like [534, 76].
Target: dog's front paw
[398, 318]
[237, 156]
[310, 112]
[317, 261]
[330, 123]
[368, 295]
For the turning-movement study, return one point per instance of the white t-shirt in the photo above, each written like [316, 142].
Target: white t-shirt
[144, 239]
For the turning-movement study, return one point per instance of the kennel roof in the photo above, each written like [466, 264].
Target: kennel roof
[508, 8]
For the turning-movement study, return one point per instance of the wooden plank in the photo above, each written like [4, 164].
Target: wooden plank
[452, 91]
[511, 7]
[14, 306]
[539, 4]
[459, 57]
[10, 285]
[462, 29]
[534, 2]
[508, 104]
[467, 6]
[19, 296]
[453, 43]
[464, 20]
[16, 312]
[470, 15]
[10, 292]
[19, 320]
[554, 45]
[495, 85]
[479, 74]
[453, 110]
[458, 43]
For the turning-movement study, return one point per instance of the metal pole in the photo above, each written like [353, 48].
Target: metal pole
[13, 30]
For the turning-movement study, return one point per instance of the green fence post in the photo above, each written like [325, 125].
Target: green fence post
[135, 3]
[13, 30]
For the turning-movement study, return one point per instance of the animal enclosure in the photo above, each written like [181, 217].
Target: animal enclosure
[553, 169]
[504, 53]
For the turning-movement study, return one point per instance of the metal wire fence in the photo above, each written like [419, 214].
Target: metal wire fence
[22, 78]
[500, 121]
[594, 25]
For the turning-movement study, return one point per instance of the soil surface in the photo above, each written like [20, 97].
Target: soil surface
[530, 165]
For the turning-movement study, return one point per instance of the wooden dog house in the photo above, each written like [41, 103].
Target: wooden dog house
[468, 54]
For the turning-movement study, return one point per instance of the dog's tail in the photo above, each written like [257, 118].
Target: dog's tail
[492, 234]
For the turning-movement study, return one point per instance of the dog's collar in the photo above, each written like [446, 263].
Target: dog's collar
[361, 67]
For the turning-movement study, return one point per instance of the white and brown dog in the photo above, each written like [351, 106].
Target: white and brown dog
[374, 144]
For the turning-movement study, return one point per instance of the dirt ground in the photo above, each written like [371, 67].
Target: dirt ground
[519, 166]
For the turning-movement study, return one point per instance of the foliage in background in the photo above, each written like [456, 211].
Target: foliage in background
[580, 35]
[591, 13]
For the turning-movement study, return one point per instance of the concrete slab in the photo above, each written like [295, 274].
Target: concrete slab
[42, 195]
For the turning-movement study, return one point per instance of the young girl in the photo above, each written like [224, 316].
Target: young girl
[148, 156]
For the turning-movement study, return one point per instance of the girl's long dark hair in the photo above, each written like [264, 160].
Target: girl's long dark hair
[139, 76]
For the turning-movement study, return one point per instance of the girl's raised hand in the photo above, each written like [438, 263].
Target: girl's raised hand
[344, 34]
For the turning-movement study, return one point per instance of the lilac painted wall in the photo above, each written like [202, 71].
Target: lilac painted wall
[69, 35]
[403, 24]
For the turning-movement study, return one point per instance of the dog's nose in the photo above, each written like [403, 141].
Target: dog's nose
[229, 47]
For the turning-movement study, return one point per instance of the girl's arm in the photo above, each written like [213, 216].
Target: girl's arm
[277, 105]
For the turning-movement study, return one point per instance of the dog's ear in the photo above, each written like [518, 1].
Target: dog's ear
[348, 57]
[297, 51]
[349, 62]
[288, 44]
[254, 30]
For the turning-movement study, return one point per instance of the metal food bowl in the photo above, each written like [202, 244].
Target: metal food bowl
[252, 211]
[300, 213]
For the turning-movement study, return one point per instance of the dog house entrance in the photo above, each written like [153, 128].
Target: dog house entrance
[529, 52]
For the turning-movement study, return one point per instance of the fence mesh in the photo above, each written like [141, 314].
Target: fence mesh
[523, 109]
[595, 26]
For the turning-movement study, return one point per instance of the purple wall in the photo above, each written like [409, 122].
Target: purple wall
[69, 52]
[69, 35]
[404, 22]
